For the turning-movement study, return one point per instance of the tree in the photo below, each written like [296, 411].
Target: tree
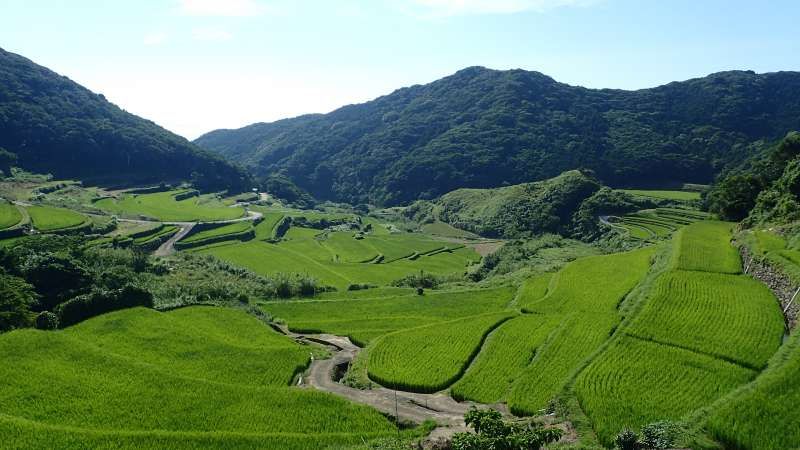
[16, 298]
[7, 159]
[492, 432]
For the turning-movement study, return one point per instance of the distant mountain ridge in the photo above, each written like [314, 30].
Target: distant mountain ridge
[56, 126]
[485, 128]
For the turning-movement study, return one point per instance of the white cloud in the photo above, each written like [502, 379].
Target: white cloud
[156, 38]
[211, 34]
[462, 7]
[222, 8]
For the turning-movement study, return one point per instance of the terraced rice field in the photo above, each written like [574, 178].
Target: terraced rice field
[581, 308]
[164, 206]
[9, 215]
[763, 415]
[432, 357]
[665, 194]
[657, 223]
[705, 246]
[639, 382]
[50, 219]
[703, 332]
[158, 233]
[363, 317]
[198, 376]
[338, 259]
[507, 352]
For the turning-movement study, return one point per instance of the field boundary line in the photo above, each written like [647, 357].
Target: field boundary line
[697, 352]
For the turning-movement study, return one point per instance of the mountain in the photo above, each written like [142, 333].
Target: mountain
[484, 128]
[54, 125]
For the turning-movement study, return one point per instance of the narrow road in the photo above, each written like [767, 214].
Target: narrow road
[168, 247]
[409, 406]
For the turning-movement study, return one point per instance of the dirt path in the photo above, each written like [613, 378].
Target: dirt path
[408, 406]
[168, 247]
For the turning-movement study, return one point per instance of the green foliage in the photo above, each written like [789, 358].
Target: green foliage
[764, 187]
[492, 432]
[56, 126]
[523, 210]
[430, 358]
[282, 187]
[7, 159]
[46, 320]
[682, 196]
[483, 128]
[16, 299]
[99, 302]
[165, 206]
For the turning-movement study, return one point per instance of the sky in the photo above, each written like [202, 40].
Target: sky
[197, 65]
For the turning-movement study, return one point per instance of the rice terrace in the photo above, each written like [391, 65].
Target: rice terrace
[492, 260]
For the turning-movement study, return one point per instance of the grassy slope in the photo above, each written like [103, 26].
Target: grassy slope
[192, 375]
[163, 206]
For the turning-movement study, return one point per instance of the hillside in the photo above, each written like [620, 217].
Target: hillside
[484, 128]
[54, 125]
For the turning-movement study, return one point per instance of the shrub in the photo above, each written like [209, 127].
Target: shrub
[360, 286]
[627, 440]
[16, 298]
[46, 321]
[492, 432]
[98, 302]
[307, 287]
[660, 435]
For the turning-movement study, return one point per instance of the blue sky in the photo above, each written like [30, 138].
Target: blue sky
[196, 65]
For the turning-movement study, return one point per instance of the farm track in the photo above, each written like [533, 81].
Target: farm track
[168, 247]
[413, 407]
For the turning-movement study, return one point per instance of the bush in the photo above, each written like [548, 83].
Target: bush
[98, 302]
[360, 286]
[46, 321]
[492, 432]
[660, 435]
[16, 298]
[422, 280]
[627, 440]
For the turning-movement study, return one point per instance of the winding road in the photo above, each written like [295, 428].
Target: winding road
[408, 406]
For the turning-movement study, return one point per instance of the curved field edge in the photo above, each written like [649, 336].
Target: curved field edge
[396, 361]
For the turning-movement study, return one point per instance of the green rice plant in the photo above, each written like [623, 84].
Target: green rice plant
[164, 206]
[665, 194]
[9, 215]
[507, 352]
[364, 320]
[728, 316]
[705, 246]
[430, 358]
[638, 382]
[35, 435]
[269, 358]
[594, 284]
[50, 219]
[637, 231]
[266, 228]
[763, 414]
[200, 373]
[233, 229]
[534, 289]
[346, 248]
[578, 336]
[583, 302]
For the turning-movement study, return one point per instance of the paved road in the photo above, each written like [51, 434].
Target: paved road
[168, 247]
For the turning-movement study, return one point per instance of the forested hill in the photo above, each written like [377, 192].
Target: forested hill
[488, 128]
[56, 126]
